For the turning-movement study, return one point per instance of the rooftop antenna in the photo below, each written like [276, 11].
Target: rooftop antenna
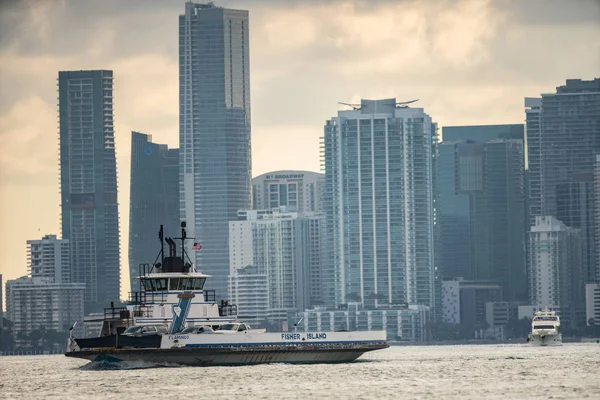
[404, 104]
[354, 106]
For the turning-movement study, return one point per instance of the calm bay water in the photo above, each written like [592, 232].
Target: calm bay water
[449, 372]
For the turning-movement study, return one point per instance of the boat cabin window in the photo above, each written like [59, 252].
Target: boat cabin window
[229, 327]
[544, 318]
[186, 283]
[164, 284]
[242, 328]
[155, 285]
[543, 327]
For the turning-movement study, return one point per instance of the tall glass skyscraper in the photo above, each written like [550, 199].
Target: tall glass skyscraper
[214, 129]
[154, 200]
[378, 203]
[481, 206]
[482, 213]
[563, 137]
[88, 179]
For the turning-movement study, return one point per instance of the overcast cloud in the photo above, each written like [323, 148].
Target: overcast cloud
[469, 62]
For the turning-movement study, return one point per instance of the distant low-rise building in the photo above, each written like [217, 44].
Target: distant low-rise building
[498, 313]
[33, 303]
[592, 303]
[401, 323]
[464, 302]
[46, 297]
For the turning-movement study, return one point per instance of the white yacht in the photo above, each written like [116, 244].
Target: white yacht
[174, 320]
[545, 329]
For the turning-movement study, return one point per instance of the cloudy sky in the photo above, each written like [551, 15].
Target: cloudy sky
[469, 63]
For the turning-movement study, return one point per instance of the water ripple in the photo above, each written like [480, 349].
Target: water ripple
[449, 372]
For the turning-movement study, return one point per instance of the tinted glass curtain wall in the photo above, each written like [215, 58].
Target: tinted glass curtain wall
[379, 175]
[214, 130]
[154, 200]
[88, 178]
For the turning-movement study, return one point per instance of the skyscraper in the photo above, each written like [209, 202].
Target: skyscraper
[482, 133]
[214, 130]
[154, 200]
[378, 202]
[481, 212]
[296, 190]
[555, 268]
[88, 179]
[563, 137]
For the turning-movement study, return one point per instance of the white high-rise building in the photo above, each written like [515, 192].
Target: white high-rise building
[215, 168]
[46, 297]
[283, 246]
[248, 290]
[296, 190]
[378, 205]
[555, 269]
[32, 303]
[49, 259]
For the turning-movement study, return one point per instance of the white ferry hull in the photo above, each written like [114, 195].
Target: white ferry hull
[236, 349]
[196, 356]
[545, 340]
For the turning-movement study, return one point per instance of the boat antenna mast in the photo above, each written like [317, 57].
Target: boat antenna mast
[183, 238]
[161, 254]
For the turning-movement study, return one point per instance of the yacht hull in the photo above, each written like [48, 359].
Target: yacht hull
[545, 340]
[225, 356]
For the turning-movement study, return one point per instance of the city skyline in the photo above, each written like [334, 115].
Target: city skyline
[28, 160]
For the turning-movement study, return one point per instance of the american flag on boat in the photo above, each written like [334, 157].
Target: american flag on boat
[196, 246]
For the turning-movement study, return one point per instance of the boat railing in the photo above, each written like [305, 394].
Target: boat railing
[209, 296]
[142, 311]
[137, 298]
[155, 297]
[227, 310]
[116, 312]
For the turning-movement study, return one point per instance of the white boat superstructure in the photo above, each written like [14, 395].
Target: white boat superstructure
[174, 320]
[545, 329]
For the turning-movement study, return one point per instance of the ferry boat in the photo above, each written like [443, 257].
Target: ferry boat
[545, 329]
[173, 320]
